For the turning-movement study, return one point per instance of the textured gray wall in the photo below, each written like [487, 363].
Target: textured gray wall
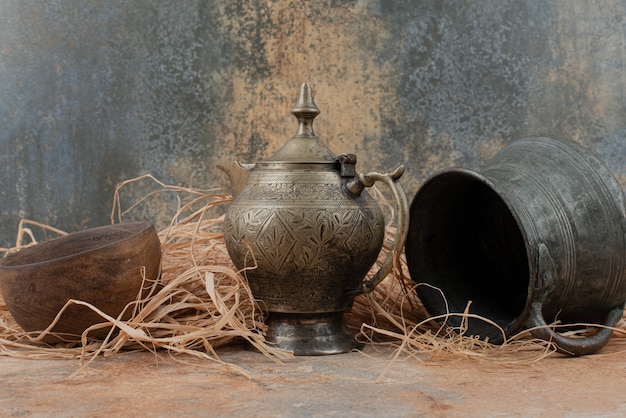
[96, 92]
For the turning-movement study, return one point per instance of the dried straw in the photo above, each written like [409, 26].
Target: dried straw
[202, 302]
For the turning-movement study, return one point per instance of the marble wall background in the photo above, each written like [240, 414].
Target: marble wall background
[93, 93]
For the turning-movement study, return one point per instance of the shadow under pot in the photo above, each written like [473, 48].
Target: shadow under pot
[536, 236]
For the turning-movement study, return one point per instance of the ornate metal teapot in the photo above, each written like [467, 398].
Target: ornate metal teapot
[307, 234]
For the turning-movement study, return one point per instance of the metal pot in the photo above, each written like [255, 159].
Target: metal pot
[538, 235]
[307, 234]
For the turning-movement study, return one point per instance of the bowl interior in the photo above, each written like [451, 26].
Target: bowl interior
[74, 244]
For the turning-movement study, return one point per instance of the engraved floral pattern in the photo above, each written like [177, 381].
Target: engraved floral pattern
[324, 245]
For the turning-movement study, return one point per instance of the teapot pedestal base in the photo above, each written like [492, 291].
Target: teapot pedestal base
[310, 334]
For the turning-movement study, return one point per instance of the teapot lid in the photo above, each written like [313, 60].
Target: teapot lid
[305, 146]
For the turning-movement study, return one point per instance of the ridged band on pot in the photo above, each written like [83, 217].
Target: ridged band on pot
[536, 236]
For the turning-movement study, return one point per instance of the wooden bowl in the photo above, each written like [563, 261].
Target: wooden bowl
[101, 266]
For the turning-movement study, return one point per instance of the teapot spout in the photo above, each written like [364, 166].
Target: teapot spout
[238, 174]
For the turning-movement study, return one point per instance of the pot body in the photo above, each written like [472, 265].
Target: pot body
[536, 236]
[311, 242]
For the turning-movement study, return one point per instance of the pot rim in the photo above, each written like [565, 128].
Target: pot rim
[136, 229]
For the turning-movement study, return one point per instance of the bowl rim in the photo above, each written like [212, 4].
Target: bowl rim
[142, 227]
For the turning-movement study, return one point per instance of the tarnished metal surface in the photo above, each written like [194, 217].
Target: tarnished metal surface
[93, 93]
[312, 233]
[537, 235]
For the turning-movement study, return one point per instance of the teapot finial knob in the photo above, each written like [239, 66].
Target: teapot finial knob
[305, 111]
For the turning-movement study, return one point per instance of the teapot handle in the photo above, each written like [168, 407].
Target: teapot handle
[390, 179]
